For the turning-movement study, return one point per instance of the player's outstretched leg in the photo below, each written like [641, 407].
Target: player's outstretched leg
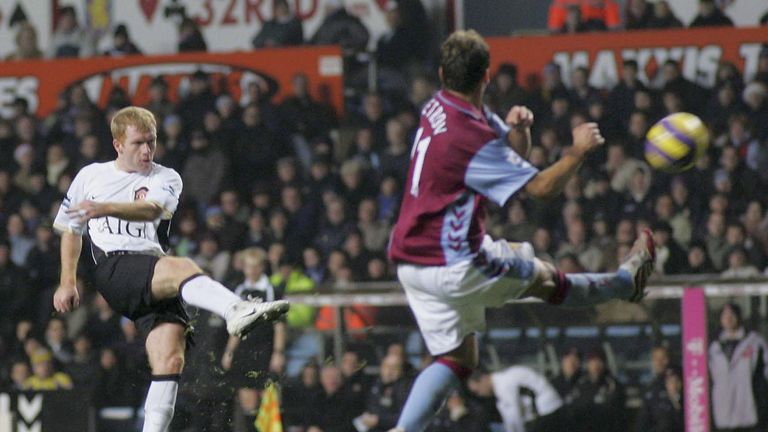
[241, 315]
[628, 283]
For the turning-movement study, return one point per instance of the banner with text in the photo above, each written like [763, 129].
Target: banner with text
[695, 373]
[227, 25]
[41, 82]
[699, 51]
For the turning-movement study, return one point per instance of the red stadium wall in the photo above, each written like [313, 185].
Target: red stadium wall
[698, 50]
[41, 82]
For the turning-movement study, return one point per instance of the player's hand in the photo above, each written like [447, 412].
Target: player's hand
[85, 210]
[586, 138]
[226, 360]
[519, 117]
[66, 298]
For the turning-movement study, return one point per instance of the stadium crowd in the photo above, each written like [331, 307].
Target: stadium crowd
[295, 195]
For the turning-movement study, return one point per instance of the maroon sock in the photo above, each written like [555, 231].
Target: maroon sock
[562, 284]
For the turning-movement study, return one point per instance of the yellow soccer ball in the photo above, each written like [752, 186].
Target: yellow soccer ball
[676, 142]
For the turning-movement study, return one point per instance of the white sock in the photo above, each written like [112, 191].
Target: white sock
[159, 405]
[206, 293]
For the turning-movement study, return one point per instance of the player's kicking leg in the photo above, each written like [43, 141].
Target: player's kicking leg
[571, 290]
[181, 276]
[587, 289]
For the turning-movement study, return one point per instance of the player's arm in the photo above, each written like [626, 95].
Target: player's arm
[66, 296]
[137, 211]
[551, 181]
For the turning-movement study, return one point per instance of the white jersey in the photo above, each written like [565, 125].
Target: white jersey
[104, 182]
[522, 394]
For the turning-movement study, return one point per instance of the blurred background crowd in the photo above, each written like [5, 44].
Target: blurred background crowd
[297, 196]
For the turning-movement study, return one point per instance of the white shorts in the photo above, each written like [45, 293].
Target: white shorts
[449, 302]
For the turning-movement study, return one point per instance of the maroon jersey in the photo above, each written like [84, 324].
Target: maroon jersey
[460, 157]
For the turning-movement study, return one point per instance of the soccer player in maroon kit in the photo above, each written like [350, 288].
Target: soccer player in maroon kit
[463, 155]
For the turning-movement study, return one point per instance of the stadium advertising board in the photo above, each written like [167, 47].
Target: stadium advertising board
[698, 51]
[53, 411]
[227, 25]
[695, 372]
[42, 82]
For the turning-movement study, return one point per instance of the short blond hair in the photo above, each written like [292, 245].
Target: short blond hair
[138, 117]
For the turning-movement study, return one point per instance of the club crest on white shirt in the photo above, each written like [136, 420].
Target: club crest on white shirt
[140, 194]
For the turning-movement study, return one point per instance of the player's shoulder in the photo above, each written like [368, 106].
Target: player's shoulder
[94, 169]
[165, 172]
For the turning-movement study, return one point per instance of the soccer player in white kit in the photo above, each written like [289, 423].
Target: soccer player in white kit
[450, 269]
[120, 205]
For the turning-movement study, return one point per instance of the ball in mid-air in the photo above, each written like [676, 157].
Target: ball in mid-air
[676, 142]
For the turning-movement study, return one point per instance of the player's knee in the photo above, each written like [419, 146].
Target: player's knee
[187, 267]
[174, 363]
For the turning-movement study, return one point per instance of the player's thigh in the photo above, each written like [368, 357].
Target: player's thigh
[443, 322]
[165, 345]
[502, 271]
[170, 272]
[467, 354]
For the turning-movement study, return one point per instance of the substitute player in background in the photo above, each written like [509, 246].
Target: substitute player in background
[451, 271]
[120, 204]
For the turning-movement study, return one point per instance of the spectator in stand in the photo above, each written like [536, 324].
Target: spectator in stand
[122, 45]
[386, 397]
[637, 15]
[82, 366]
[256, 150]
[284, 29]
[738, 267]
[600, 14]
[334, 227]
[103, 326]
[663, 16]
[162, 107]
[570, 373]
[693, 95]
[26, 43]
[57, 342]
[504, 92]
[402, 47]
[710, 15]
[305, 115]
[698, 259]
[198, 101]
[662, 411]
[190, 37]
[331, 412]
[375, 232]
[44, 375]
[14, 291]
[660, 363]
[599, 404]
[461, 414]
[670, 256]
[205, 170]
[738, 365]
[112, 389]
[339, 27]
[299, 394]
[69, 39]
[581, 92]
[18, 374]
[755, 97]
[211, 258]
